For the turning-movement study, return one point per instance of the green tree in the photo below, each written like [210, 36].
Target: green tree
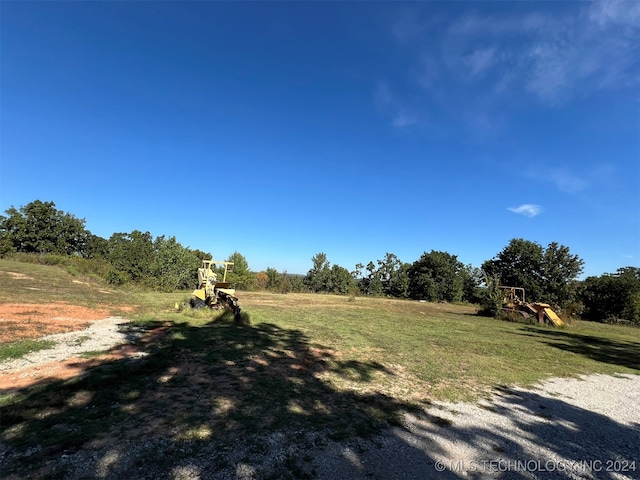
[560, 269]
[341, 280]
[613, 296]
[318, 278]
[241, 275]
[372, 283]
[202, 255]
[491, 297]
[6, 242]
[519, 264]
[472, 278]
[398, 285]
[436, 276]
[546, 274]
[174, 266]
[357, 273]
[284, 283]
[394, 276]
[131, 255]
[97, 247]
[272, 275]
[297, 283]
[40, 228]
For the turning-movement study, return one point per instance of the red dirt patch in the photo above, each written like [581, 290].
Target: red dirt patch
[30, 320]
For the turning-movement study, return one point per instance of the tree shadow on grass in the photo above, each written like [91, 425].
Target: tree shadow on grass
[221, 393]
[263, 402]
[615, 352]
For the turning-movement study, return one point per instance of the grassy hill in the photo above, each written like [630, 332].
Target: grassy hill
[33, 283]
[306, 363]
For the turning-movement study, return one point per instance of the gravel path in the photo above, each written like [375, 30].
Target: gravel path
[564, 429]
[101, 335]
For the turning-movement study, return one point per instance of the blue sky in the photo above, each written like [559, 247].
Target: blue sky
[284, 129]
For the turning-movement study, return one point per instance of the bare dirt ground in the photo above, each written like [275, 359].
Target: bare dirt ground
[31, 320]
[53, 321]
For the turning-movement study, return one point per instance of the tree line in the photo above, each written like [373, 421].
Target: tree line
[41, 231]
[39, 228]
[548, 274]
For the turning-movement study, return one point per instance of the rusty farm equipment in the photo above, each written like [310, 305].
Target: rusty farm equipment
[210, 292]
[514, 301]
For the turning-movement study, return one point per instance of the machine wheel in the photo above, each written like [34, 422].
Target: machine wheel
[235, 308]
[197, 303]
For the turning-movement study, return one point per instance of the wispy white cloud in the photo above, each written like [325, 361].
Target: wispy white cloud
[615, 12]
[527, 209]
[554, 56]
[389, 103]
[567, 180]
[480, 60]
[550, 73]
[403, 119]
[547, 54]
[597, 50]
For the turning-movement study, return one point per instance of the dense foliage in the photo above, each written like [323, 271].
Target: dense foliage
[318, 278]
[174, 266]
[547, 275]
[436, 276]
[613, 297]
[41, 228]
[240, 275]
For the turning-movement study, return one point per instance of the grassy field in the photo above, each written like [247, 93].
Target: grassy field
[305, 362]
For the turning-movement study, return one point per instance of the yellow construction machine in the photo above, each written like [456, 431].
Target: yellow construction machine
[210, 292]
[514, 301]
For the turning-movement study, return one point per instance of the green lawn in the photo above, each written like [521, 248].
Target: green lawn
[444, 351]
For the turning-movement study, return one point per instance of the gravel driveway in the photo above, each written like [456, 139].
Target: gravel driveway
[565, 428]
[101, 335]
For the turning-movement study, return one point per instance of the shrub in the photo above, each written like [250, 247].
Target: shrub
[116, 277]
[491, 298]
